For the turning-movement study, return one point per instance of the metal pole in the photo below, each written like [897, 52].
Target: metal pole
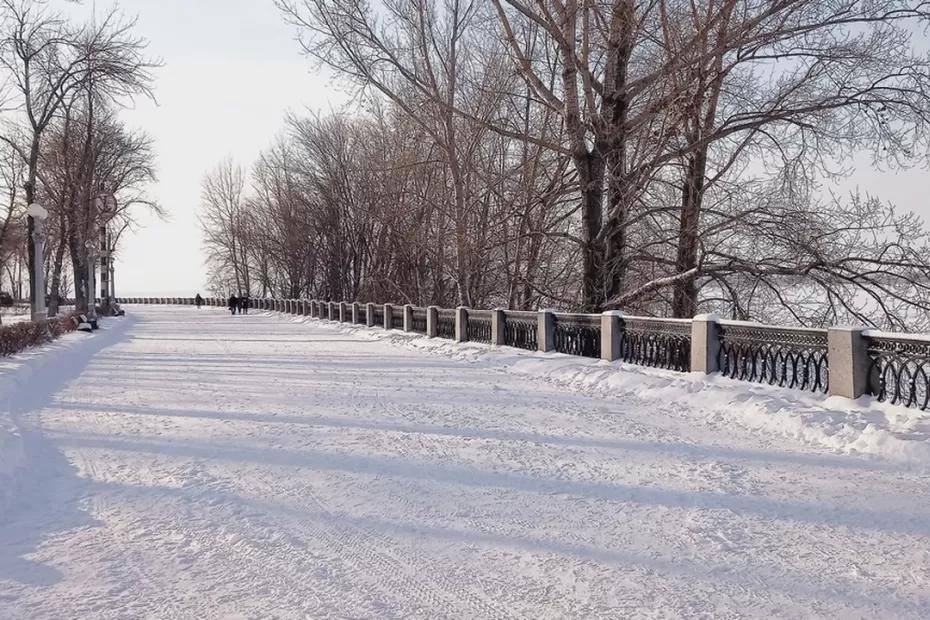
[104, 266]
[91, 289]
[36, 216]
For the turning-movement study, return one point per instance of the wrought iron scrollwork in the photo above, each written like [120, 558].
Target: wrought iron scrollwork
[445, 326]
[479, 327]
[521, 330]
[795, 358]
[899, 372]
[419, 320]
[656, 344]
[578, 334]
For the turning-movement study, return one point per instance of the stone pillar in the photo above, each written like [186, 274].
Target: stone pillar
[461, 324]
[408, 318]
[370, 314]
[705, 343]
[343, 312]
[546, 330]
[388, 316]
[333, 311]
[498, 323]
[611, 335]
[848, 353]
[356, 312]
[432, 321]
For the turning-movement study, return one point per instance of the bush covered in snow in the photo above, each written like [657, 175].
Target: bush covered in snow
[20, 336]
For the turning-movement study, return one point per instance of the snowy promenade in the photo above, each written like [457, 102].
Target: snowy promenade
[198, 465]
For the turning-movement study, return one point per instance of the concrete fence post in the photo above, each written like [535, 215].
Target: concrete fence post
[848, 355]
[370, 314]
[546, 330]
[611, 335]
[356, 312]
[388, 316]
[498, 326]
[461, 324]
[408, 317]
[343, 313]
[333, 311]
[705, 344]
[432, 321]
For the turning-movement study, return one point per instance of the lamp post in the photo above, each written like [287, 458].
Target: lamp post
[91, 284]
[38, 214]
[106, 209]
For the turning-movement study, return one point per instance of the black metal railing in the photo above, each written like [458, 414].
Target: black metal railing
[361, 316]
[899, 372]
[397, 318]
[445, 325]
[419, 320]
[520, 330]
[378, 315]
[578, 334]
[786, 357]
[479, 326]
[656, 343]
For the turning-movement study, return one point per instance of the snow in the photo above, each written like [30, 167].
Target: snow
[191, 464]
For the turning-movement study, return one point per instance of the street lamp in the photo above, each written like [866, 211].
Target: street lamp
[38, 214]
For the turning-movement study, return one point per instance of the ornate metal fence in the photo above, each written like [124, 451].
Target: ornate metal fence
[787, 357]
[419, 320]
[397, 318]
[445, 326]
[578, 334]
[479, 326]
[520, 330]
[899, 372]
[656, 343]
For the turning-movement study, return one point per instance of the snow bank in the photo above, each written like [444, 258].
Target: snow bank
[23, 383]
[864, 427]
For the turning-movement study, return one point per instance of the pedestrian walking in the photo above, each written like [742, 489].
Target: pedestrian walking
[233, 304]
[244, 303]
[198, 300]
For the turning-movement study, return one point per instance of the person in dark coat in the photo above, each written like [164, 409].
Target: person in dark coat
[233, 304]
[244, 303]
[198, 300]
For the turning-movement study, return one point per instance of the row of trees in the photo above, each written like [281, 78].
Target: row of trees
[657, 156]
[62, 144]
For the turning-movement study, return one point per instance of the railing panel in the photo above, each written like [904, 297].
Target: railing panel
[786, 357]
[521, 330]
[397, 318]
[378, 314]
[479, 326]
[656, 343]
[578, 334]
[899, 370]
[419, 320]
[445, 326]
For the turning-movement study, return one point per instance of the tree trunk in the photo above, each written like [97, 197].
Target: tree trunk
[684, 303]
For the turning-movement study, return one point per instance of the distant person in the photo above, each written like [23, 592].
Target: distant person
[233, 304]
[244, 303]
[199, 301]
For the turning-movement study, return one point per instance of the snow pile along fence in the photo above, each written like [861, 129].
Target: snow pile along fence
[840, 361]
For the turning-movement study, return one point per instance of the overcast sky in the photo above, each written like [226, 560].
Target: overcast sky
[232, 69]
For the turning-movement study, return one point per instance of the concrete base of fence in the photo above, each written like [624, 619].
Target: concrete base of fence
[611, 329]
[545, 333]
[461, 324]
[408, 318]
[432, 321]
[705, 343]
[498, 325]
[848, 352]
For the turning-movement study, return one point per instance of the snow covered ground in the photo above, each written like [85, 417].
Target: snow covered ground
[186, 464]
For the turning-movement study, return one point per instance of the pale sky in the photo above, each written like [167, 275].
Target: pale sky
[232, 69]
